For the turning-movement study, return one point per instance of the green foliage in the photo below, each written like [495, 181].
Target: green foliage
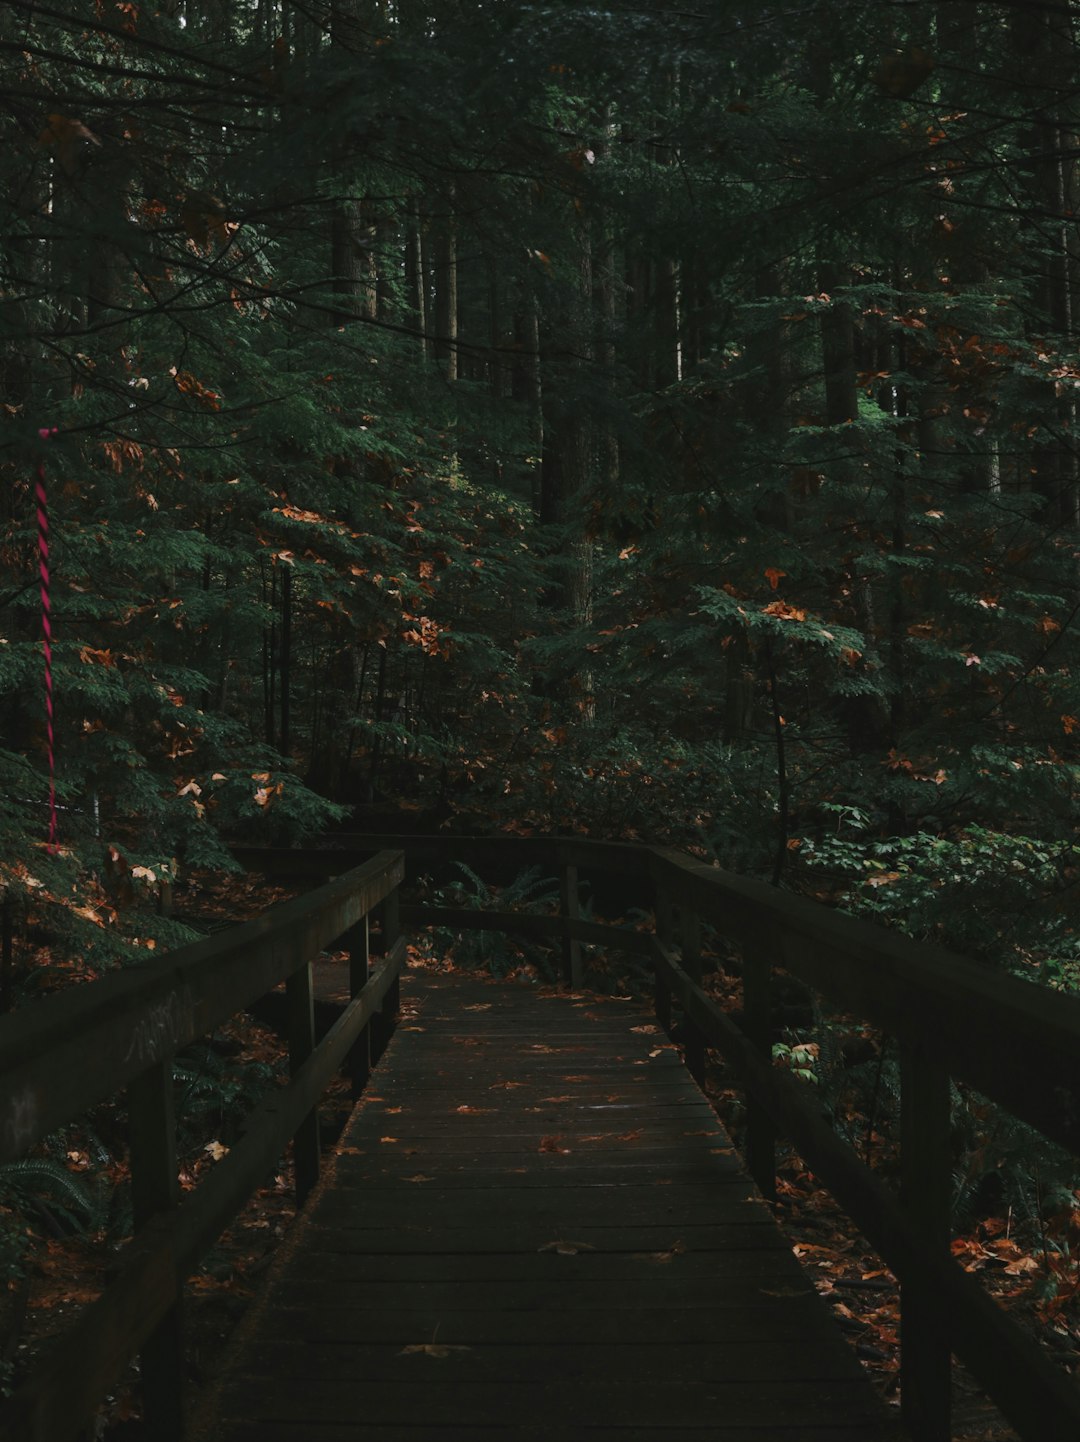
[971, 892]
[494, 951]
[217, 1091]
[44, 1180]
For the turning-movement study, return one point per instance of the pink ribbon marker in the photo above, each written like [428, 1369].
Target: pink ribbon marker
[46, 631]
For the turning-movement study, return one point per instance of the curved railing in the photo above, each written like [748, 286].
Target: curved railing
[64, 1055]
[1017, 1043]
[954, 1019]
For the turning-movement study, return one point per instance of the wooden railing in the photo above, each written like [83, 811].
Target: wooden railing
[954, 1019]
[67, 1053]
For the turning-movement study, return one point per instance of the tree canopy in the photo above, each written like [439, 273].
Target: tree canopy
[653, 422]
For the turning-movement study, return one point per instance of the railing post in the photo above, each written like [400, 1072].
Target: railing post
[357, 944]
[665, 928]
[571, 910]
[926, 1194]
[690, 948]
[154, 1190]
[382, 1023]
[301, 1029]
[7, 954]
[392, 934]
[757, 1028]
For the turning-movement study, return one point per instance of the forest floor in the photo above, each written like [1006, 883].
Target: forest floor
[66, 1266]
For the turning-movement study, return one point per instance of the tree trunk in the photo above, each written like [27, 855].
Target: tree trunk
[446, 291]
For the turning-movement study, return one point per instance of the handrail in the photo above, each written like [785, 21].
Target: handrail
[1014, 1041]
[69, 1052]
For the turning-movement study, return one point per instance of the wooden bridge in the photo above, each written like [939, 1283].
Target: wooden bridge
[534, 1225]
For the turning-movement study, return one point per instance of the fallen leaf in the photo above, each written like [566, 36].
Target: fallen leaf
[661, 1258]
[431, 1349]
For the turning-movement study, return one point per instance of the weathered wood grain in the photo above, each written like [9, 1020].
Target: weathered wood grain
[481, 1265]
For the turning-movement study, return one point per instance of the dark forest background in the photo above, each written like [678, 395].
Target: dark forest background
[647, 421]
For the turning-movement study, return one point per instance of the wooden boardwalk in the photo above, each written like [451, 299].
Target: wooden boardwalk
[536, 1227]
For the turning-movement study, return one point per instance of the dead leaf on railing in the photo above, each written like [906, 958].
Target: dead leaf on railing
[432, 1349]
[662, 1258]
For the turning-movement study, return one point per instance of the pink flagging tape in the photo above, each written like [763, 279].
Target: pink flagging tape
[46, 631]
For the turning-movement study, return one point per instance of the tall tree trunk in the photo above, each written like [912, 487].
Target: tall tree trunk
[415, 284]
[446, 290]
[286, 660]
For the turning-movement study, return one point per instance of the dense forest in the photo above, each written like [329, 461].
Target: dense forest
[648, 422]
[644, 422]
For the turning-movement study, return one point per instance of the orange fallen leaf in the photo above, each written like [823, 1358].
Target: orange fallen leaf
[661, 1258]
[432, 1349]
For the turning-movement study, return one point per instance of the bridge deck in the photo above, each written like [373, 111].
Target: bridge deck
[536, 1227]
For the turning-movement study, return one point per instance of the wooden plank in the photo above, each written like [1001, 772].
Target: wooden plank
[693, 1275]
[648, 1360]
[581, 1281]
[596, 1402]
[498, 1238]
[717, 1428]
[784, 1321]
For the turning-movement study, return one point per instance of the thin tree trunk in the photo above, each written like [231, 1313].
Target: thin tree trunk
[286, 660]
[446, 291]
[415, 298]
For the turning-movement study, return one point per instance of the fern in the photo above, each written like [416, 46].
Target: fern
[494, 950]
[36, 1179]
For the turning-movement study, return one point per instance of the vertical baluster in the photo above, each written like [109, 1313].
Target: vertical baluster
[382, 1023]
[690, 946]
[571, 948]
[665, 935]
[301, 1028]
[391, 936]
[154, 1190]
[926, 1194]
[357, 942]
[757, 1027]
